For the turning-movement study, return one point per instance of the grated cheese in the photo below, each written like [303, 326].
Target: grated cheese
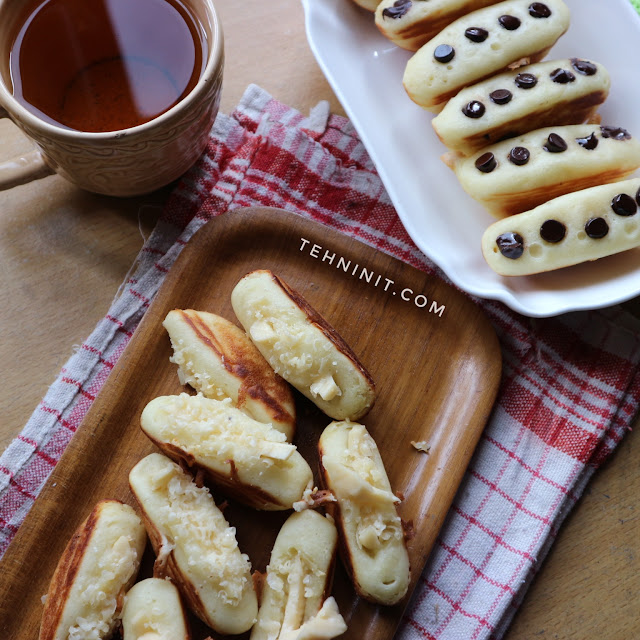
[421, 445]
[195, 525]
[326, 388]
[213, 429]
[327, 623]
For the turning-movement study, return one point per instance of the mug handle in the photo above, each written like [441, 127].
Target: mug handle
[23, 168]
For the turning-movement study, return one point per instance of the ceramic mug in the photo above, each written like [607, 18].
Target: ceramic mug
[128, 162]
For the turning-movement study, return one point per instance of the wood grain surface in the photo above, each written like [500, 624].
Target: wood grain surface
[64, 253]
[436, 365]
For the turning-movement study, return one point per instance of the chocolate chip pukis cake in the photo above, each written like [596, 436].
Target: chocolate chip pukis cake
[574, 228]
[520, 173]
[556, 92]
[412, 23]
[481, 44]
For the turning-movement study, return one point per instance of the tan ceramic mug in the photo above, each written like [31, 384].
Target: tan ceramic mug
[126, 162]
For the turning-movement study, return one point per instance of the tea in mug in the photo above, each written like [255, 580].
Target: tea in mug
[105, 65]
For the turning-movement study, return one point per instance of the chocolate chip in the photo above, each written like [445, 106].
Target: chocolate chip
[584, 66]
[501, 96]
[511, 245]
[596, 228]
[519, 155]
[510, 23]
[526, 80]
[589, 143]
[475, 109]
[617, 133]
[638, 197]
[553, 231]
[539, 10]
[399, 8]
[562, 76]
[624, 205]
[476, 34]
[486, 162]
[555, 144]
[444, 53]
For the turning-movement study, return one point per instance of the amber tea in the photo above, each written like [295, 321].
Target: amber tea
[105, 65]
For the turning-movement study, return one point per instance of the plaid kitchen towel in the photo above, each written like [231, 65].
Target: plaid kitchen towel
[570, 387]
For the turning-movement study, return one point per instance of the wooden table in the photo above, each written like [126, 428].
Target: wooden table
[64, 253]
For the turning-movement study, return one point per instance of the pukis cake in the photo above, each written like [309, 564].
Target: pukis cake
[194, 545]
[412, 23]
[153, 610]
[555, 92]
[372, 537]
[574, 228]
[481, 44]
[521, 173]
[295, 600]
[98, 566]
[302, 346]
[245, 459]
[219, 361]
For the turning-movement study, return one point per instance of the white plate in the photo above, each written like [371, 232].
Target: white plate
[365, 71]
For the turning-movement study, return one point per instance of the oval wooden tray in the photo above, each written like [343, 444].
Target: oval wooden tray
[432, 353]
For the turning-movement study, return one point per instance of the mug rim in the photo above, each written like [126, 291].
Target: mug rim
[215, 60]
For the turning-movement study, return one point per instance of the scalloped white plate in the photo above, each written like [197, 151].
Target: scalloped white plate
[365, 70]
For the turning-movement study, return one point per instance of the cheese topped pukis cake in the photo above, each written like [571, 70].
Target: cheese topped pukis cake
[153, 611]
[96, 569]
[246, 459]
[574, 228]
[555, 92]
[295, 600]
[219, 360]
[481, 44]
[372, 539]
[521, 173]
[302, 346]
[195, 545]
[412, 23]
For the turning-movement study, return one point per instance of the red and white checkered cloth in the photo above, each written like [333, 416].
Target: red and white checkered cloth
[570, 388]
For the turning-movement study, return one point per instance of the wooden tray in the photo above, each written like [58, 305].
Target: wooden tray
[433, 354]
